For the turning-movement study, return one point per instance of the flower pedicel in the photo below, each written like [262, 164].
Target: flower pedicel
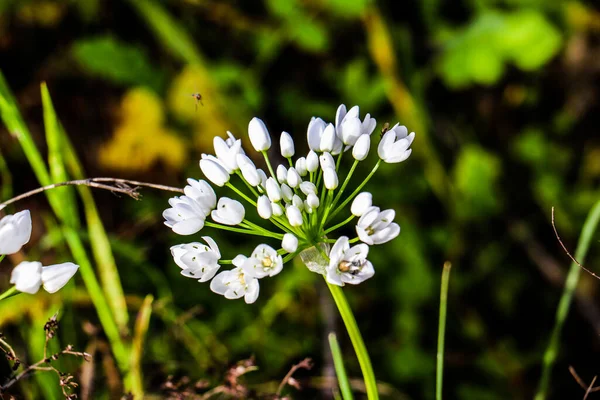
[299, 200]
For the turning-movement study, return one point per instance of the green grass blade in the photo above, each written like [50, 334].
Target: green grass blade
[6, 191]
[168, 31]
[99, 241]
[340, 370]
[142, 322]
[11, 117]
[58, 172]
[439, 375]
[562, 311]
[99, 301]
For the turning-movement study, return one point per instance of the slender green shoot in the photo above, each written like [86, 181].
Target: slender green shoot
[340, 370]
[9, 293]
[439, 371]
[357, 341]
[562, 311]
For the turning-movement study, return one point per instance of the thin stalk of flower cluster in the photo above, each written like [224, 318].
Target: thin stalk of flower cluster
[238, 230]
[242, 194]
[355, 336]
[333, 228]
[9, 293]
[356, 191]
[2, 257]
[268, 162]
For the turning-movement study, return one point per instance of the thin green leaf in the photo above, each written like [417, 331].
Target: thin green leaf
[340, 370]
[439, 376]
[141, 328]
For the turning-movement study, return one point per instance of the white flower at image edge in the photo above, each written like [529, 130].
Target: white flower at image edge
[348, 264]
[28, 276]
[197, 260]
[15, 231]
[234, 284]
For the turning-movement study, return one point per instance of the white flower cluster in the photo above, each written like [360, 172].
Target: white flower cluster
[28, 277]
[299, 199]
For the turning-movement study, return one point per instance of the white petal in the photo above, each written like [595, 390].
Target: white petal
[252, 291]
[54, 277]
[27, 277]
[263, 206]
[312, 161]
[15, 231]
[286, 144]
[294, 215]
[330, 178]
[360, 151]
[259, 135]
[289, 243]
[214, 172]
[361, 203]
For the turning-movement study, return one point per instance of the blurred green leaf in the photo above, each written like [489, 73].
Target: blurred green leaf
[475, 178]
[118, 62]
[477, 53]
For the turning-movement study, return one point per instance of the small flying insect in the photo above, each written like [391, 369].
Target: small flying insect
[198, 98]
[384, 129]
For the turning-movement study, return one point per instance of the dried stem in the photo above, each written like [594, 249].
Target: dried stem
[567, 251]
[588, 388]
[115, 185]
[306, 364]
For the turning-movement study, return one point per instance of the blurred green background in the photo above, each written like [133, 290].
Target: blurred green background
[503, 96]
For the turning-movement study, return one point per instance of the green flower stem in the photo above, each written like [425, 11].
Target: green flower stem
[356, 339]
[268, 162]
[2, 257]
[252, 189]
[242, 194]
[356, 239]
[340, 370]
[587, 232]
[233, 229]
[328, 208]
[442, 330]
[358, 189]
[333, 228]
[9, 293]
[263, 230]
[337, 197]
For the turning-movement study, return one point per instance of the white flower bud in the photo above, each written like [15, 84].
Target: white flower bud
[360, 151]
[227, 154]
[308, 187]
[263, 206]
[286, 143]
[312, 200]
[307, 207]
[277, 209]
[202, 193]
[294, 216]
[301, 166]
[293, 177]
[54, 277]
[297, 201]
[214, 172]
[228, 212]
[289, 243]
[327, 161]
[248, 169]
[330, 178]
[328, 138]
[259, 135]
[273, 190]
[27, 277]
[286, 193]
[312, 161]
[263, 177]
[15, 231]
[361, 203]
[281, 173]
[314, 133]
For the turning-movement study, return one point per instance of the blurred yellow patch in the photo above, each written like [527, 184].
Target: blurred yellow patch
[207, 120]
[44, 13]
[141, 140]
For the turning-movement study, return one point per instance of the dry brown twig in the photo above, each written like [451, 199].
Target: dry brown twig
[588, 388]
[305, 364]
[115, 185]
[66, 380]
[567, 251]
